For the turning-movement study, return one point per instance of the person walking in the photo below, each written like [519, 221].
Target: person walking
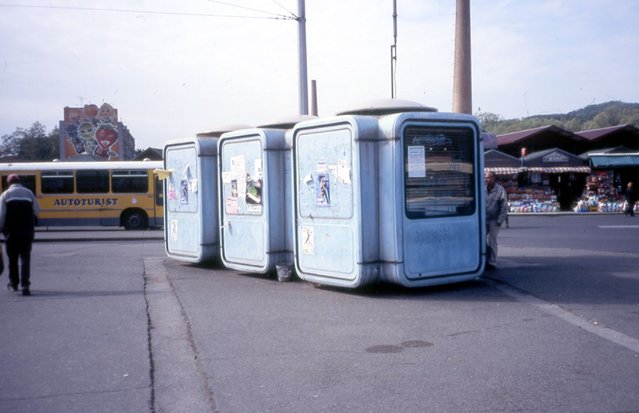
[18, 215]
[631, 198]
[496, 215]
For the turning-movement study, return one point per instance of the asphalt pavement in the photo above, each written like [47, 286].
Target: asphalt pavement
[74, 234]
[114, 325]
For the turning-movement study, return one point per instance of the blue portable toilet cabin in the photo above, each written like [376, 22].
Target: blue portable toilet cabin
[190, 200]
[431, 192]
[377, 199]
[255, 220]
[253, 192]
[334, 196]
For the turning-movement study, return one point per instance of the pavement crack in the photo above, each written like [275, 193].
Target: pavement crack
[150, 346]
[179, 381]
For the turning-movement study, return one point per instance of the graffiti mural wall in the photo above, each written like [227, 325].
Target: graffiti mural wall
[94, 132]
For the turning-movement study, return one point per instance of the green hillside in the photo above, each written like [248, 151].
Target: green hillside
[591, 117]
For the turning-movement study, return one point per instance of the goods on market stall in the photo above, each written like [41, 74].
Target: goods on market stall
[600, 194]
[532, 200]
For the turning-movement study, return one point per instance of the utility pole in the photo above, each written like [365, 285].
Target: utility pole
[303, 86]
[462, 82]
[394, 53]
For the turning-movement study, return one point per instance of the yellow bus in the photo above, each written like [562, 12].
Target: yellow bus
[126, 194]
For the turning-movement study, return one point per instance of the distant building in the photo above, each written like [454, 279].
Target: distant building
[153, 154]
[548, 169]
[93, 132]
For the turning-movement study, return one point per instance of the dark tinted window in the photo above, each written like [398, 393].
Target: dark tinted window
[92, 182]
[438, 171]
[159, 192]
[28, 181]
[57, 182]
[130, 181]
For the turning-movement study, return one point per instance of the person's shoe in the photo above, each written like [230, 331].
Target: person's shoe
[12, 287]
[26, 291]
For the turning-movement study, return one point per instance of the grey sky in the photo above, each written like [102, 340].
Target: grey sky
[183, 70]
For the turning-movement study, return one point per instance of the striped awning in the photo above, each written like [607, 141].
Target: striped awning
[540, 169]
[503, 170]
[559, 169]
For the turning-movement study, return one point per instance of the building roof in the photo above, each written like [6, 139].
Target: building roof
[555, 160]
[154, 154]
[621, 138]
[594, 134]
[553, 156]
[542, 131]
[616, 149]
[497, 159]
[626, 135]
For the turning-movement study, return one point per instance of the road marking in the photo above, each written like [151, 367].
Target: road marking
[617, 226]
[606, 333]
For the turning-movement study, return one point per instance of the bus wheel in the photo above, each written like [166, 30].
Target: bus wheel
[135, 220]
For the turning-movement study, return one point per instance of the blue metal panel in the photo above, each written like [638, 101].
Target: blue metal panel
[190, 210]
[447, 244]
[335, 174]
[369, 206]
[253, 194]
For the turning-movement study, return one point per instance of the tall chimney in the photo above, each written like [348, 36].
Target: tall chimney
[462, 82]
[313, 97]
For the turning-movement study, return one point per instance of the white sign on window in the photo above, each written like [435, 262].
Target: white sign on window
[416, 162]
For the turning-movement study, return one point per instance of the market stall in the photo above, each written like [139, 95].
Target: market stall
[611, 172]
[547, 181]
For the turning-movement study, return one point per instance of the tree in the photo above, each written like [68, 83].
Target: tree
[488, 120]
[591, 117]
[33, 144]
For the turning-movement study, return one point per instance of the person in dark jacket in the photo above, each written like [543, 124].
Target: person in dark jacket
[631, 198]
[496, 215]
[18, 215]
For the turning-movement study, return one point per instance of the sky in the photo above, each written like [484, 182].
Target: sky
[174, 69]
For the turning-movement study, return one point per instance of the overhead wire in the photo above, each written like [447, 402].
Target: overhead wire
[274, 16]
[290, 17]
[287, 10]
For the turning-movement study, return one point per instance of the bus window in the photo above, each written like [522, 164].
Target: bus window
[57, 182]
[92, 182]
[131, 181]
[28, 181]
[159, 192]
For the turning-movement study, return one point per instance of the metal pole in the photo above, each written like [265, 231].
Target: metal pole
[303, 86]
[394, 53]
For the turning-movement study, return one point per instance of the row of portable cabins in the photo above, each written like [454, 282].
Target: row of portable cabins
[348, 200]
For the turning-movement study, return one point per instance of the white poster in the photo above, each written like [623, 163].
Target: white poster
[416, 162]
[308, 241]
